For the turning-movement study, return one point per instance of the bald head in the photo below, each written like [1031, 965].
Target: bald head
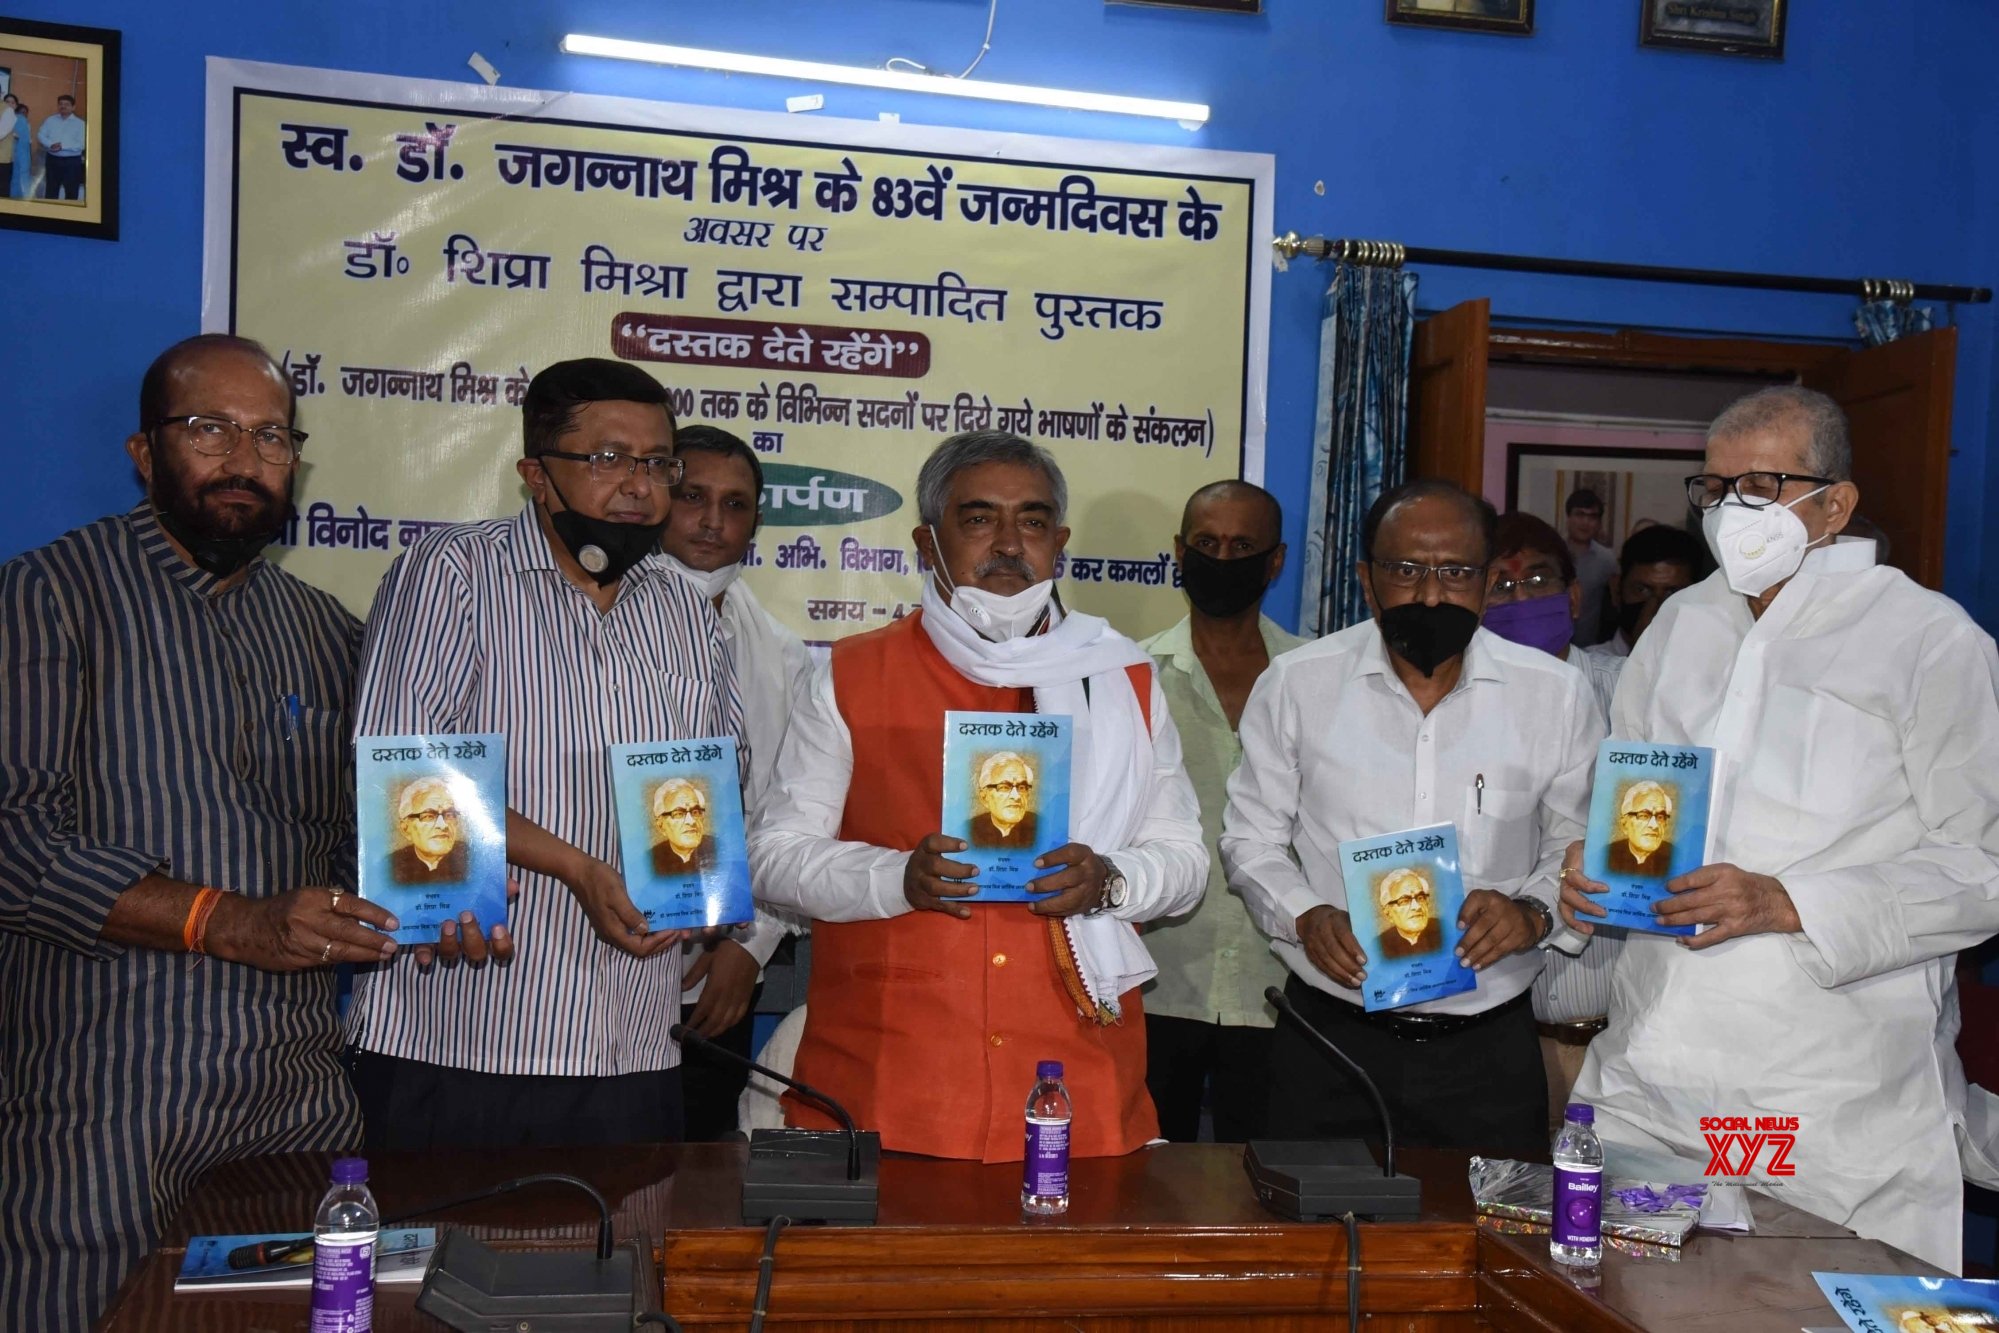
[157, 391]
[1251, 509]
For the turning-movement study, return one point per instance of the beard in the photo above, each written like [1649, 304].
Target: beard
[221, 538]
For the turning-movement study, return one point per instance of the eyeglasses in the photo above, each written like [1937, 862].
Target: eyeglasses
[217, 437]
[1648, 816]
[1534, 585]
[1397, 904]
[1410, 574]
[610, 465]
[1009, 788]
[1757, 490]
[432, 818]
[683, 812]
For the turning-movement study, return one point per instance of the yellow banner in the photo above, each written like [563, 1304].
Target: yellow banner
[842, 295]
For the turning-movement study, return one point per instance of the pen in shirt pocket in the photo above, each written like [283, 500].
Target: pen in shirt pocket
[290, 716]
[1478, 793]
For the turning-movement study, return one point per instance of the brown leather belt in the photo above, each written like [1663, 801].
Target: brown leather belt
[1572, 1034]
[1429, 1027]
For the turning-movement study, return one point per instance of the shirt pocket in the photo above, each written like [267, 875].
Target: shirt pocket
[1499, 837]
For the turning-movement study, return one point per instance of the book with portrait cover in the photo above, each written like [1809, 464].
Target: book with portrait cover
[1006, 794]
[401, 1255]
[1404, 893]
[1648, 822]
[680, 832]
[432, 812]
[1900, 1303]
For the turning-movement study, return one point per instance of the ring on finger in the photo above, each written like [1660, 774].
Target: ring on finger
[326, 954]
[335, 894]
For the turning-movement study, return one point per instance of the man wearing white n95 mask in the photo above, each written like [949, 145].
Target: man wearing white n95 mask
[1855, 849]
[715, 515]
[926, 1016]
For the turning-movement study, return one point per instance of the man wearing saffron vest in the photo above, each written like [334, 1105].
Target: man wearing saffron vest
[927, 1013]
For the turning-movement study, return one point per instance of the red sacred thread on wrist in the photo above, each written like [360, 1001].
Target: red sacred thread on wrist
[194, 932]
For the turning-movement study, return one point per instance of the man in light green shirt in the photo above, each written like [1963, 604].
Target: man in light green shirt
[1206, 1022]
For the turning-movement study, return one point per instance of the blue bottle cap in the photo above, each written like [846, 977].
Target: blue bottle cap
[1581, 1113]
[1048, 1069]
[350, 1171]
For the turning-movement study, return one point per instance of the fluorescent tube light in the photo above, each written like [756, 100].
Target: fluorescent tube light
[1191, 114]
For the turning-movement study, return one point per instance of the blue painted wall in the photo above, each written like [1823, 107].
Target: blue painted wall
[1867, 150]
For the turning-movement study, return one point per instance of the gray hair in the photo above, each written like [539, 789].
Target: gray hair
[994, 762]
[1386, 889]
[1638, 791]
[417, 791]
[1828, 450]
[661, 803]
[972, 448]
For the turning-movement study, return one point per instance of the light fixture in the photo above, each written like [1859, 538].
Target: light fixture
[1191, 114]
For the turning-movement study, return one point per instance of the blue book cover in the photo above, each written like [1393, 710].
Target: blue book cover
[1648, 823]
[1006, 793]
[1903, 1304]
[401, 1255]
[680, 832]
[432, 812]
[1404, 893]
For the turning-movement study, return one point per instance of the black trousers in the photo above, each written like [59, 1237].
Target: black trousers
[62, 177]
[412, 1106]
[1481, 1089]
[711, 1087]
[1184, 1057]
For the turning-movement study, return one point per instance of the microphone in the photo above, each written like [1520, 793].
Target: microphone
[1282, 1005]
[788, 1173]
[1314, 1181]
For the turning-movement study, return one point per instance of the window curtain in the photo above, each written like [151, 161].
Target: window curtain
[1884, 321]
[1360, 436]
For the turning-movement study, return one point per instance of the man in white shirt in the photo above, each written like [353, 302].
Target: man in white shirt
[1582, 515]
[715, 515]
[62, 138]
[1655, 562]
[1855, 850]
[1414, 717]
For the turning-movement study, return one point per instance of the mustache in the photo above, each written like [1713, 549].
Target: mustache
[1004, 564]
[223, 485]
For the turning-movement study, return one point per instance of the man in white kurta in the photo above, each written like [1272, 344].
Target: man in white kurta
[1855, 849]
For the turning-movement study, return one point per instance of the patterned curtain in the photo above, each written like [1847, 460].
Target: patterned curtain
[1361, 436]
[1884, 321]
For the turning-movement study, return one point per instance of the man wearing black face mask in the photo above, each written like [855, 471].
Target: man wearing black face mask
[1416, 717]
[176, 778]
[564, 628]
[1207, 1024]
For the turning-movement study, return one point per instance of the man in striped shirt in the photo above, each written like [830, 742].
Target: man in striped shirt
[564, 629]
[175, 779]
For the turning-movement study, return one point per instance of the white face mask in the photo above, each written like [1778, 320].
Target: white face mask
[1757, 548]
[710, 583]
[993, 616]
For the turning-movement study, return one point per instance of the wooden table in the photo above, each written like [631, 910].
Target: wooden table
[1167, 1238]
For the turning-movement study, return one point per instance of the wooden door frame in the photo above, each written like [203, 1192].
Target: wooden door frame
[1635, 349]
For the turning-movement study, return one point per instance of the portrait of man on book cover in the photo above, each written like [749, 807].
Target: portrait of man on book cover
[1645, 827]
[680, 831]
[1003, 786]
[1408, 903]
[433, 850]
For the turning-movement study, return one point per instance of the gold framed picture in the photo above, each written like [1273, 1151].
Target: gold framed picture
[1515, 17]
[59, 128]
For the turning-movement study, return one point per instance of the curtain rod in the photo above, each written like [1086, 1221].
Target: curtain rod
[1392, 255]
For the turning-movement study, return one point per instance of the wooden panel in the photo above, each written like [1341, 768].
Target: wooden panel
[1447, 395]
[1898, 398]
[1635, 349]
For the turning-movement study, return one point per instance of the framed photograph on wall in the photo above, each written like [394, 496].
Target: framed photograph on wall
[1225, 6]
[1726, 27]
[59, 128]
[1508, 16]
[1638, 487]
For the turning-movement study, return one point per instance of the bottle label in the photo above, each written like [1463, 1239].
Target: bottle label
[343, 1283]
[1046, 1169]
[1578, 1207]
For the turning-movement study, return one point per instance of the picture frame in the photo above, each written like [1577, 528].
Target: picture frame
[1514, 18]
[1746, 28]
[1637, 485]
[1212, 6]
[41, 64]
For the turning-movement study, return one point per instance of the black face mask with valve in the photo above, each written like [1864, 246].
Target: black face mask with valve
[1222, 589]
[1426, 637]
[604, 549]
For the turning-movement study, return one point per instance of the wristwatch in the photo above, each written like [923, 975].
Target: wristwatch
[1540, 909]
[1116, 891]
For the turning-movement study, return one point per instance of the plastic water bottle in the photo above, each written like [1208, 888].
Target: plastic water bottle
[1578, 1236]
[1044, 1185]
[343, 1252]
